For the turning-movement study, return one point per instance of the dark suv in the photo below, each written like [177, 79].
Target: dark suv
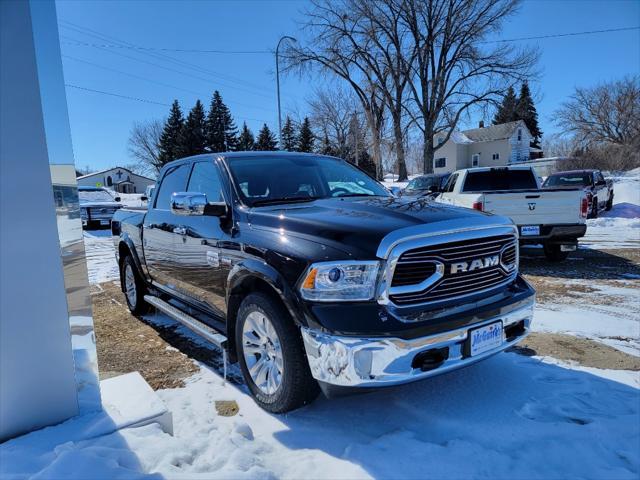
[310, 274]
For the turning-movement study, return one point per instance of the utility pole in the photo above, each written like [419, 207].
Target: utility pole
[286, 37]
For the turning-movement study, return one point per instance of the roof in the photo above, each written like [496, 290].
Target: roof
[247, 154]
[114, 168]
[493, 132]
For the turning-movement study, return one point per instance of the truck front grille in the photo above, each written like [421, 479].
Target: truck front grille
[470, 266]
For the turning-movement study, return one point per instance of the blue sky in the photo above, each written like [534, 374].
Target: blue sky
[100, 124]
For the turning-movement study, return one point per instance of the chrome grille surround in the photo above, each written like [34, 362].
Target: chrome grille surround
[432, 247]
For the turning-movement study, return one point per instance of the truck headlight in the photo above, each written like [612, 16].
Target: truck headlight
[340, 281]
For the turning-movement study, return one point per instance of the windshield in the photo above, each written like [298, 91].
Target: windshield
[578, 179]
[94, 196]
[270, 180]
[423, 183]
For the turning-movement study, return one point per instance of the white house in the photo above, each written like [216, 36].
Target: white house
[494, 145]
[119, 179]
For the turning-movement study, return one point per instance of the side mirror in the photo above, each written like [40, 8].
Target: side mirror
[118, 199]
[188, 203]
[600, 183]
[194, 204]
[143, 198]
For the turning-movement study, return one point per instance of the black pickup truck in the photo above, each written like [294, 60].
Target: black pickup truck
[312, 276]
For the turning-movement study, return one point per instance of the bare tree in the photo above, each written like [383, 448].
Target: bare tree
[608, 113]
[361, 42]
[332, 111]
[143, 145]
[457, 69]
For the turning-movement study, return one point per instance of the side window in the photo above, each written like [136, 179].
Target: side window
[205, 178]
[450, 184]
[174, 180]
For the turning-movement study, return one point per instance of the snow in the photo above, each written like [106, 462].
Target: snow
[620, 227]
[508, 417]
[101, 260]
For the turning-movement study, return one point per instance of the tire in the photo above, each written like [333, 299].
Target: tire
[609, 203]
[554, 253]
[133, 286]
[594, 208]
[284, 363]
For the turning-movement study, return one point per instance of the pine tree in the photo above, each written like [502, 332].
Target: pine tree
[526, 111]
[507, 110]
[266, 140]
[246, 141]
[192, 136]
[288, 136]
[168, 146]
[221, 131]
[305, 137]
[326, 148]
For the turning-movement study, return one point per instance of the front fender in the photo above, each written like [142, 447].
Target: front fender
[252, 268]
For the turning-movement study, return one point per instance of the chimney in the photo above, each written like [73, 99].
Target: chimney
[481, 124]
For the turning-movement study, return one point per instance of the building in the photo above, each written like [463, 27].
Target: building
[119, 179]
[495, 145]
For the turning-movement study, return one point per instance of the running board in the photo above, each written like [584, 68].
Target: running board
[188, 321]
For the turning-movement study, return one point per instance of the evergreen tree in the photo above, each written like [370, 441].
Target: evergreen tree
[365, 162]
[526, 111]
[266, 140]
[305, 137]
[192, 136]
[326, 148]
[221, 131]
[507, 109]
[168, 146]
[288, 136]
[246, 141]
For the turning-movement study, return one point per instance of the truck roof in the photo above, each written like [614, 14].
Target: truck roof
[488, 169]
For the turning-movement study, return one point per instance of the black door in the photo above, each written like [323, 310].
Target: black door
[204, 266]
[160, 227]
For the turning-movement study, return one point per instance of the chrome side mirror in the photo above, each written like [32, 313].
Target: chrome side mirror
[188, 203]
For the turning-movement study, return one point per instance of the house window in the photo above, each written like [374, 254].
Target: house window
[475, 160]
[440, 140]
[519, 134]
[440, 163]
[496, 156]
[109, 181]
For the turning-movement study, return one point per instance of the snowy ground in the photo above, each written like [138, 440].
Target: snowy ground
[509, 417]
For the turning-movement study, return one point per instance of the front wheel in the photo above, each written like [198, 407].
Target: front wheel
[609, 203]
[272, 356]
[554, 253]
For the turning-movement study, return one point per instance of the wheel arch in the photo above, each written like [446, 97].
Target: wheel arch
[253, 277]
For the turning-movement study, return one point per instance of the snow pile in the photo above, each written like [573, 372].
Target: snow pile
[508, 417]
[620, 227]
[101, 259]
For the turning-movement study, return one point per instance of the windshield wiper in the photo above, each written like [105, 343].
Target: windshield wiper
[357, 195]
[273, 201]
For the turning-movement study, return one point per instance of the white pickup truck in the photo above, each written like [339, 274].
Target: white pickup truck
[554, 218]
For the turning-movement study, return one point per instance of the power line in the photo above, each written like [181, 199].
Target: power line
[159, 56]
[143, 100]
[159, 83]
[181, 50]
[559, 35]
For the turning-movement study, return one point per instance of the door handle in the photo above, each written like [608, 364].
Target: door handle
[180, 230]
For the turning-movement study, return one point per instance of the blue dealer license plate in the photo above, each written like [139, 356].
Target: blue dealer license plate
[486, 338]
[529, 230]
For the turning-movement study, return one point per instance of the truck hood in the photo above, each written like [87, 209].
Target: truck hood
[356, 225]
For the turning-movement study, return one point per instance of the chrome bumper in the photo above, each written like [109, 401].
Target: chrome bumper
[376, 362]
